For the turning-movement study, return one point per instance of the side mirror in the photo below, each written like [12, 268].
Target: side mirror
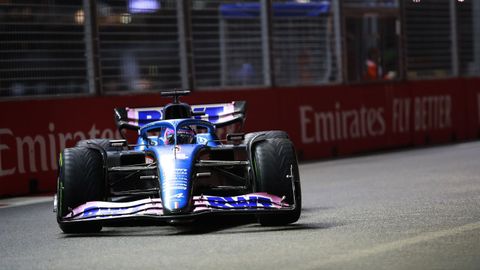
[118, 143]
[198, 113]
[235, 138]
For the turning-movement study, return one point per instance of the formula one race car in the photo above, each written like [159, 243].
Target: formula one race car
[178, 170]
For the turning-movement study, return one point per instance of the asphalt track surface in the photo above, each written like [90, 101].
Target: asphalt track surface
[413, 209]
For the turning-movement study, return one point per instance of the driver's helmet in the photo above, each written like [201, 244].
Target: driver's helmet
[184, 136]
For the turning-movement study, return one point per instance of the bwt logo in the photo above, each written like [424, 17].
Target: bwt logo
[150, 115]
[211, 113]
[95, 211]
[239, 202]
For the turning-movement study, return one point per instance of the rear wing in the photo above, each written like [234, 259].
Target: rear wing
[220, 114]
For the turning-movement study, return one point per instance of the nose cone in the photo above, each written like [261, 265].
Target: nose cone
[175, 170]
[175, 185]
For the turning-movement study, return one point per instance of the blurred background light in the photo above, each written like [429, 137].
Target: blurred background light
[143, 6]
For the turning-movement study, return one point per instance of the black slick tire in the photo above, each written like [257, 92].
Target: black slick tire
[275, 167]
[102, 143]
[80, 179]
[271, 134]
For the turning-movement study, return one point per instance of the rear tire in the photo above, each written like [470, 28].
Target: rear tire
[272, 134]
[80, 180]
[103, 143]
[275, 166]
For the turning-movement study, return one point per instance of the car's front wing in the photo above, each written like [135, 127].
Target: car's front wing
[153, 209]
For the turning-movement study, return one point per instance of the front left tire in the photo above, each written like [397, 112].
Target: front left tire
[80, 180]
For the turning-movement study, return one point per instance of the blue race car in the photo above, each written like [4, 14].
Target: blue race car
[178, 170]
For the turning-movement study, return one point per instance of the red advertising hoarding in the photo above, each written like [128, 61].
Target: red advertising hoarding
[322, 121]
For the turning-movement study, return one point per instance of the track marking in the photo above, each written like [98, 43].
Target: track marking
[13, 202]
[396, 245]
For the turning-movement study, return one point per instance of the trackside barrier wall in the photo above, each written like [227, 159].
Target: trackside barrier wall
[322, 122]
[473, 108]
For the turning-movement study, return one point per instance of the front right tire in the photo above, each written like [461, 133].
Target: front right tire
[276, 173]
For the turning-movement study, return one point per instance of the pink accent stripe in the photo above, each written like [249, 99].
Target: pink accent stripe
[154, 207]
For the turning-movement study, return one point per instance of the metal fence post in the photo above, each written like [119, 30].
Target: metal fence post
[337, 28]
[402, 61]
[183, 41]
[91, 47]
[267, 48]
[454, 38]
[223, 54]
[476, 37]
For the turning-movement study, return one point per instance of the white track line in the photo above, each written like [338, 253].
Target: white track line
[396, 245]
[19, 201]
